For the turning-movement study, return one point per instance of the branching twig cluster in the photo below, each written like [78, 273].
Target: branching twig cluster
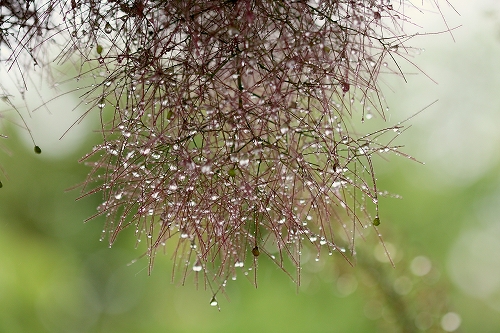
[231, 134]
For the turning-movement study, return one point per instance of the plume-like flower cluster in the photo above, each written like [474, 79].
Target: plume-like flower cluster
[227, 125]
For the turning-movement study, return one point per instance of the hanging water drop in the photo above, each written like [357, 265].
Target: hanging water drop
[376, 221]
[197, 266]
[108, 28]
[213, 302]
[102, 103]
[255, 251]
[99, 49]
[37, 150]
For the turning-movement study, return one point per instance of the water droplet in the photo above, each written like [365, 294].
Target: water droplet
[1, 185]
[99, 49]
[206, 168]
[102, 103]
[233, 31]
[213, 302]
[231, 173]
[108, 28]
[197, 266]
[37, 150]
[376, 221]
[118, 196]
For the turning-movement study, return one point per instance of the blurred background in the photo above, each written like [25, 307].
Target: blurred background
[440, 221]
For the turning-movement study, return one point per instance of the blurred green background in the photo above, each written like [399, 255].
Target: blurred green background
[56, 276]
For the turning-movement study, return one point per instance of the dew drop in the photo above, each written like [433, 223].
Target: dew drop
[108, 28]
[37, 150]
[213, 301]
[99, 49]
[1, 185]
[101, 104]
[197, 266]
[376, 221]
[255, 251]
